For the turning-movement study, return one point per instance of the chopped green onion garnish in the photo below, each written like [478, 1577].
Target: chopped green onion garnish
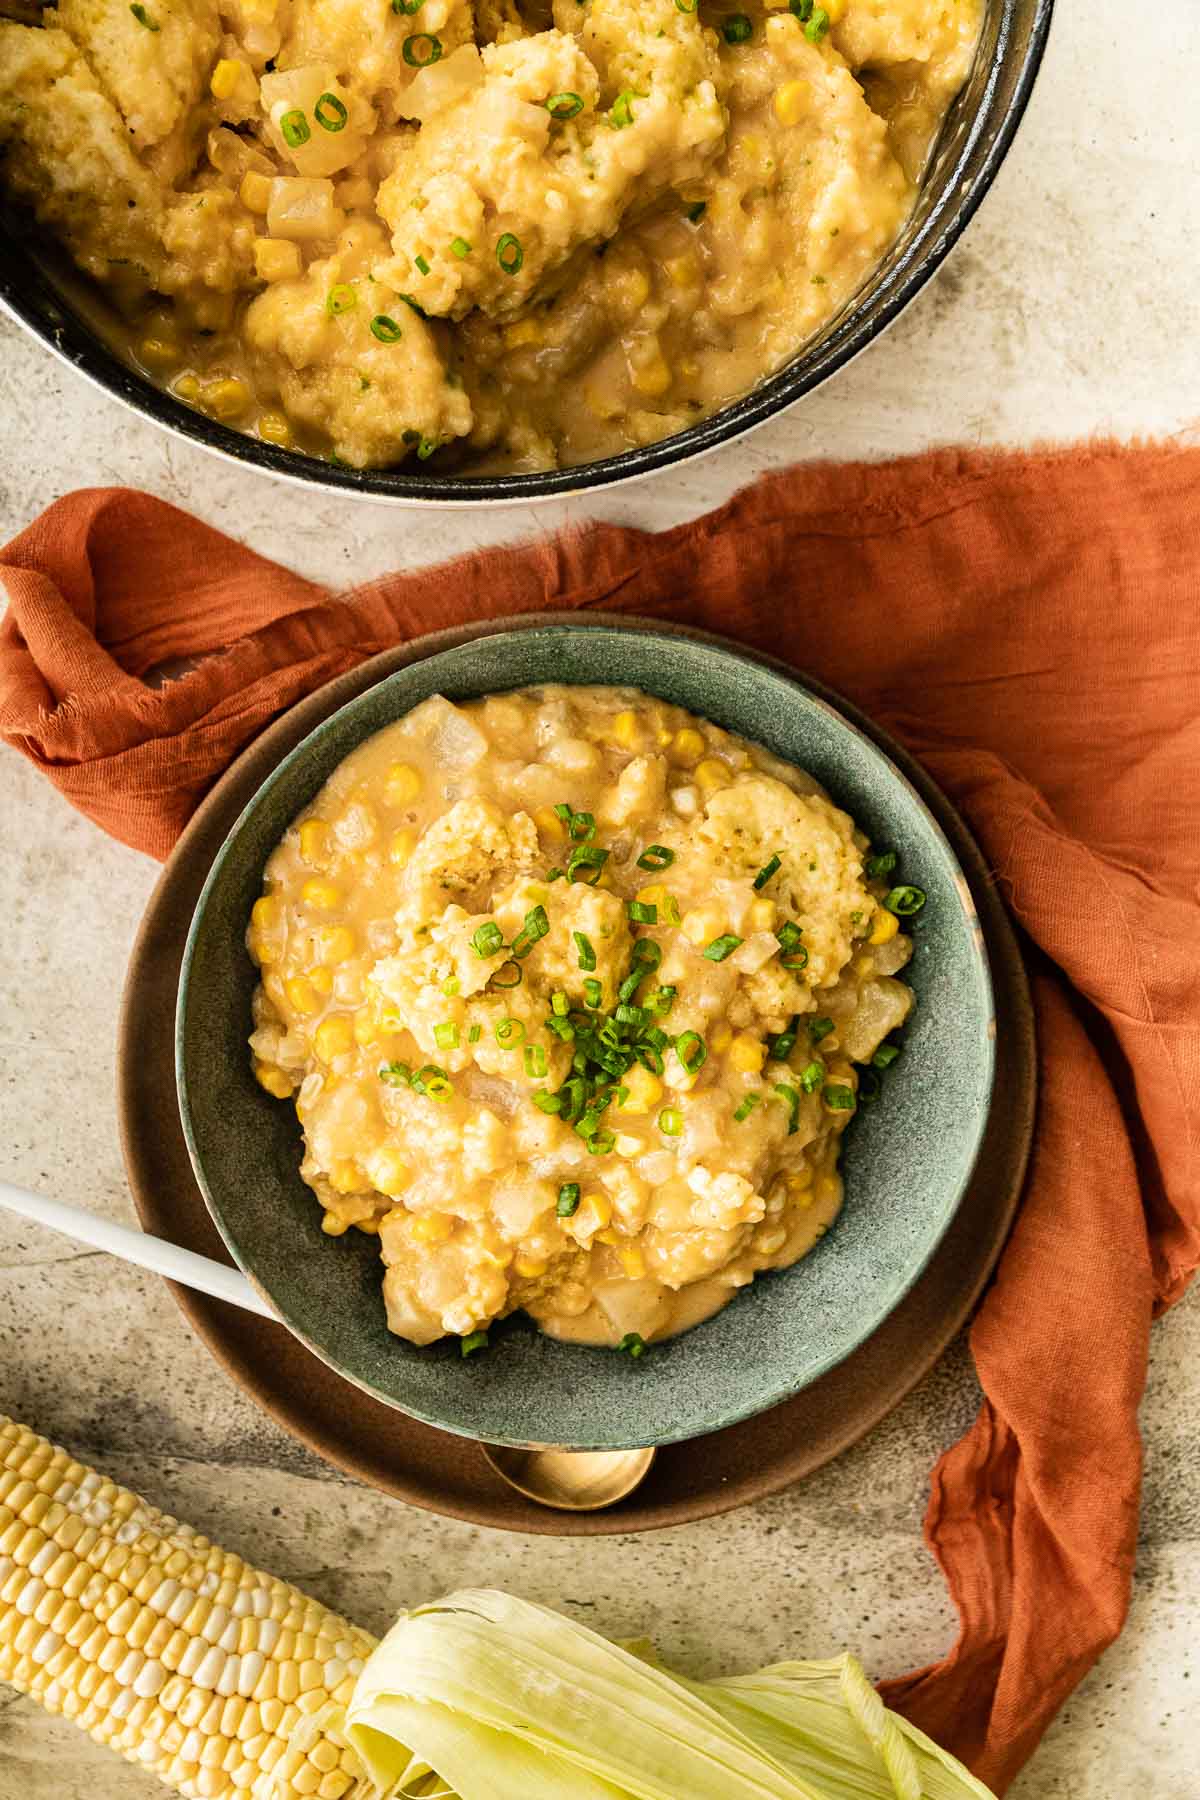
[629, 1015]
[535, 927]
[803, 9]
[415, 304]
[509, 1033]
[294, 129]
[648, 953]
[792, 1100]
[811, 1076]
[421, 264]
[548, 1103]
[587, 955]
[488, 939]
[670, 1122]
[446, 1035]
[143, 18]
[747, 1107]
[631, 983]
[650, 1058]
[508, 975]
[475, 1033]
[474, 1340]
[407, 6]
[817, 26]
[535, 1061]
[340, 299]
[433, 1082]
[905, 901]
[396, 1074]
[737, 29]
[687, 6]
[692, 1051]
[593, 993]
[460, 247]
[509, 253]
[622, 108]
[795, 959]
[789, 935]
[564, 106]
[765, 873]
[696, 211]
[330, 113]
[421, 50]
[781, 1047]
[633, 1344]
[385, 328]
[886, 1055]
[641, 913]
[600, 1143]
[451, 986]
[881, 865]
[819, 1028]
[568, 1199]
[560, 1003]
[838, 1097]
[721, 947]
[580, 825]
[869, 1085]
[656, 856]
[585, 863]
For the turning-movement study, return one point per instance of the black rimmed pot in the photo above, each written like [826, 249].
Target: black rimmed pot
[974, 141]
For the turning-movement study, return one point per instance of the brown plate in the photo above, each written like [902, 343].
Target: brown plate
[447, 1474]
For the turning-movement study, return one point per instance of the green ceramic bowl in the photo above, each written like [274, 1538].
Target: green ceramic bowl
[907, 1159]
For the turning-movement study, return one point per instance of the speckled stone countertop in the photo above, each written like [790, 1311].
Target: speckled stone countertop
[1069, 309]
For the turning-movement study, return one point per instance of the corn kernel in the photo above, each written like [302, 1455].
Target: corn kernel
[334, 1037]
[314, 843]
[302, 995]
[653, 378]
[529, 1269]
[683, 271]
[324, 895]
[369, 1227]
[711, 775]
[332, 1226]
[266, 913]
[827, 1190]
[401, 848]
[629, 290]
[549, 823]
[522, 333]
[720, 1038]
[227, 398]
[274, 428]
[336, 944]
[158, 352]
[276, 259]
[187, 389]
[536, 894]
[643, 1090]
[834, 9]
[747, 1054]
[346, 1177]
[273, 1079]
[322, 980]
[225, 78]
[886, 927]
[403, 784]
[389, 1172]
[626, 730]
[633, 1262]
[703, 924]
[603, 402]
[791, 102]
[657, 894]
[609, 1237]
[366, 1029]
[800, 1180]
[255, 192]
[435, 1228]
[762, 915]
[688, 746]
[593, 1214]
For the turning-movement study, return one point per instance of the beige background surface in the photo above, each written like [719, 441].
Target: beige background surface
[1069, 309]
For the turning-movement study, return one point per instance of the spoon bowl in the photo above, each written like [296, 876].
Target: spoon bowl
[570, 1480]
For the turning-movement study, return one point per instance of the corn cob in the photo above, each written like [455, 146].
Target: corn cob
[226, 1683]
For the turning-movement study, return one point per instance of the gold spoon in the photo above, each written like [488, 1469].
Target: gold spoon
[571, 1480]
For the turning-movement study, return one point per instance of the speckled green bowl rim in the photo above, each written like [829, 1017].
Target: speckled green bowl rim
[808, 693]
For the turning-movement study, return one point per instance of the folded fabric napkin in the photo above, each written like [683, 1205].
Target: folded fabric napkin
[1030, 627]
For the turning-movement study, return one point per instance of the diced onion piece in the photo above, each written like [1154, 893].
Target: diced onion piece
[233, 157]
[303, 209]
[882, 1006]
[322, 151]
[757, 950]
[433, 89]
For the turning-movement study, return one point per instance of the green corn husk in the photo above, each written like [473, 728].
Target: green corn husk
[484, 1697]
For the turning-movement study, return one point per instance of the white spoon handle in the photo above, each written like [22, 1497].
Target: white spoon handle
[137, 1247]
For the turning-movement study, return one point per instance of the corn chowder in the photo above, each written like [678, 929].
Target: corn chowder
[571, 991]
[513, 237]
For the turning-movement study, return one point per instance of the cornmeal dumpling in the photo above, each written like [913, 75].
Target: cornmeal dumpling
[574, 995]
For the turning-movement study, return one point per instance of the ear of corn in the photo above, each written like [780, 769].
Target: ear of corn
[226, 1683]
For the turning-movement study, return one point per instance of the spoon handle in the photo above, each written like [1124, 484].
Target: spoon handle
[137, 1247]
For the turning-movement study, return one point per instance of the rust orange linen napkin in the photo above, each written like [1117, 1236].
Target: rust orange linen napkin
[1030, 627]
